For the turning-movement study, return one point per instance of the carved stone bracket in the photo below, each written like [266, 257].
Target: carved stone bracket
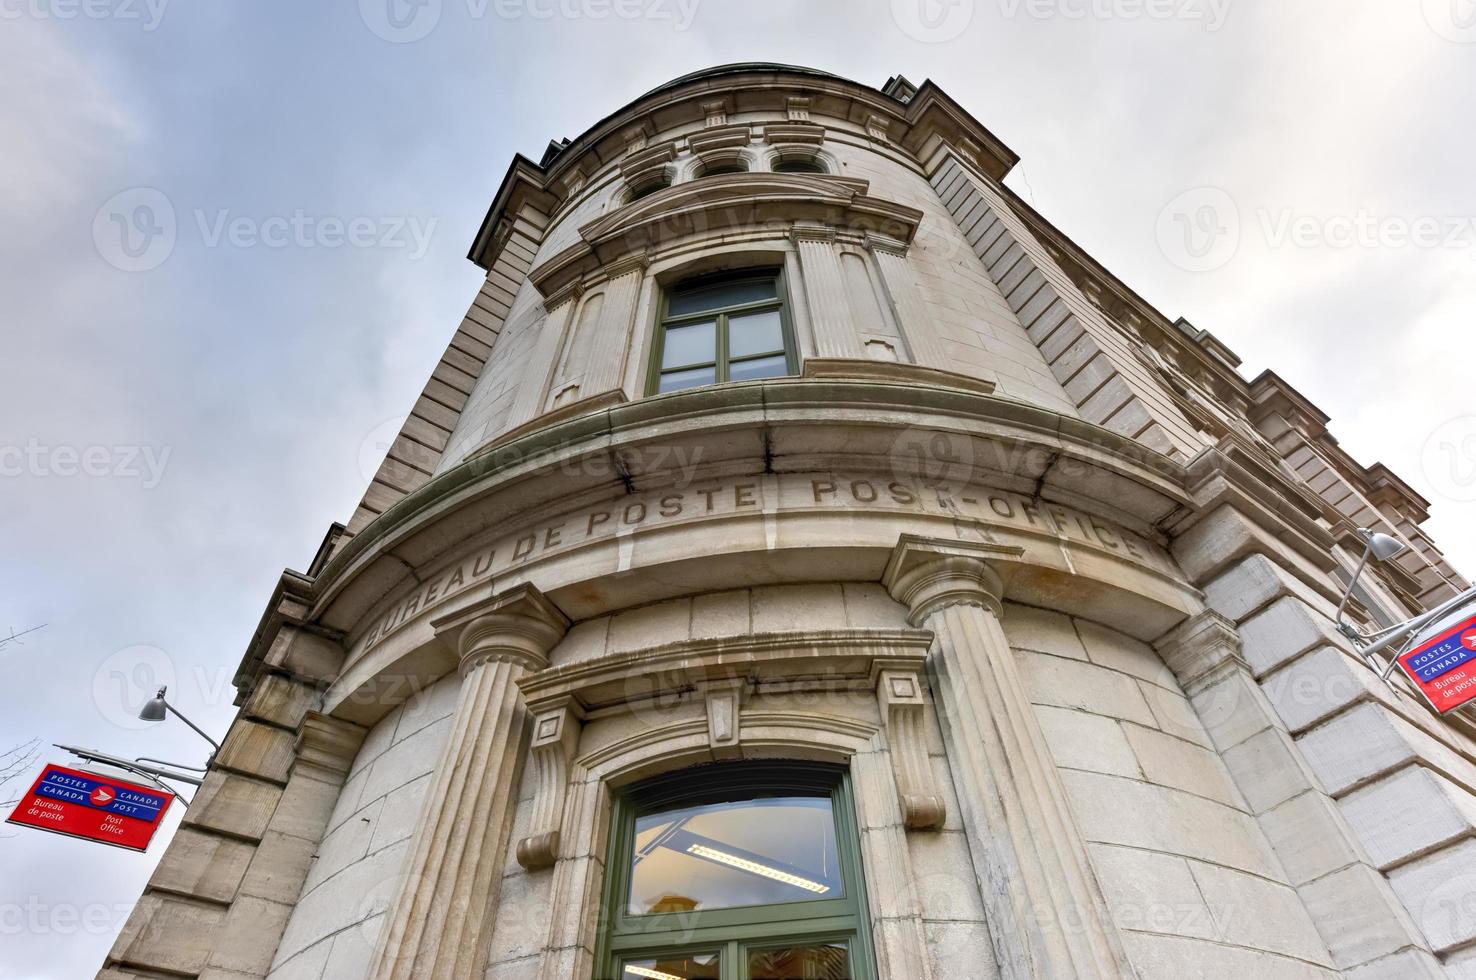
[903, 702]
[724, 698]
[328, 745]
[1201, 650]
[556, 728]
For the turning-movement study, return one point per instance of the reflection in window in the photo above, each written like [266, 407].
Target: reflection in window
[725, 329]
[729, 855]
[830, 961]
[736, 871]
[677, 966]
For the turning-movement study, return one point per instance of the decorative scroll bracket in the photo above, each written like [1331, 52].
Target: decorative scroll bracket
[901, 696]
[556, 728]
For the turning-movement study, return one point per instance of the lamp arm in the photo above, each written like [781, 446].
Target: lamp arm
[1343, 624]
[196, 727]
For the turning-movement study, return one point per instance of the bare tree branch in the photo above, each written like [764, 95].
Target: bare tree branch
[15, 763]
[15, 637]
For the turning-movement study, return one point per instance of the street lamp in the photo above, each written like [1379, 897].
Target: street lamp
[1402, 636]
[155, 708]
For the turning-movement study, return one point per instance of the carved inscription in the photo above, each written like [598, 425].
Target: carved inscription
[787, 494]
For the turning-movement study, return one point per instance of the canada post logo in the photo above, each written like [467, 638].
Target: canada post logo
[1445, 667]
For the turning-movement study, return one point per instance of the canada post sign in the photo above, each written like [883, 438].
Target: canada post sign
[1444, 667]
[83, 804]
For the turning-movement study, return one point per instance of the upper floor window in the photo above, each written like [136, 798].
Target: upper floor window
[722, 165]
[799, 165]
[732, 327]
[736, 872]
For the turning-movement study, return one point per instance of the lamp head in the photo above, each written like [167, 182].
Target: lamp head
[1381, 546]
[153, 709]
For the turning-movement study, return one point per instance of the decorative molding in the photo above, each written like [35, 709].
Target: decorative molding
[838, 659]
[929, 574]
[328, 744]
[642, 166]
[810, 231]
[797, 109]
[716, 111]
[903, 704]
[713, 206]
[791, 133]
[723, 699]
[878, 127]
[518, 626]
[896, 373]
[556, 729]
[884, 243]
[718, 138]
[1201, 650]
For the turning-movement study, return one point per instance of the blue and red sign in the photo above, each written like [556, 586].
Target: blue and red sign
[1444, 667]
[88, 805]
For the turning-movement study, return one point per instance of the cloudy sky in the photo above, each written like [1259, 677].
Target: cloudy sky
[234, 248]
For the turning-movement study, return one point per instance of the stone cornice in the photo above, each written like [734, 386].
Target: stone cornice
[714, 205]
[839, 659]
[1085, 467]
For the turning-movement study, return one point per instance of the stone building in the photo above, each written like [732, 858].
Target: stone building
[805, 561]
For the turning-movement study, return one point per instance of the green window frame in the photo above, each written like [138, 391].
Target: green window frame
[723, 361]
[733, 933]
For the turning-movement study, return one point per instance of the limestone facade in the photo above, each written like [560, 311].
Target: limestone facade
[1050, 580]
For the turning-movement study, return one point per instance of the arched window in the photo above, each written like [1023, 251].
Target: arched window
[736, 871]
[648, 187]
[729, 327]
[799, 165]
[722, 165]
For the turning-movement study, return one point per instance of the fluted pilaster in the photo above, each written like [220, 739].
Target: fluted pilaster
[1049, 919]
[830, 312]
[438, 924]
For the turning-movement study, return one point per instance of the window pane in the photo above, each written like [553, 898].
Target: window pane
[798, 166]
[759, 367]
[729, 855]
[695, 343]
[673, 966]
[677, 380]
[827, 962]
[696, 299]
[755, 333]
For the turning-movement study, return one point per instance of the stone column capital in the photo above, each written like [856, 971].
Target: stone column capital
[928, 574]
[519, 626]
[1201, 648]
